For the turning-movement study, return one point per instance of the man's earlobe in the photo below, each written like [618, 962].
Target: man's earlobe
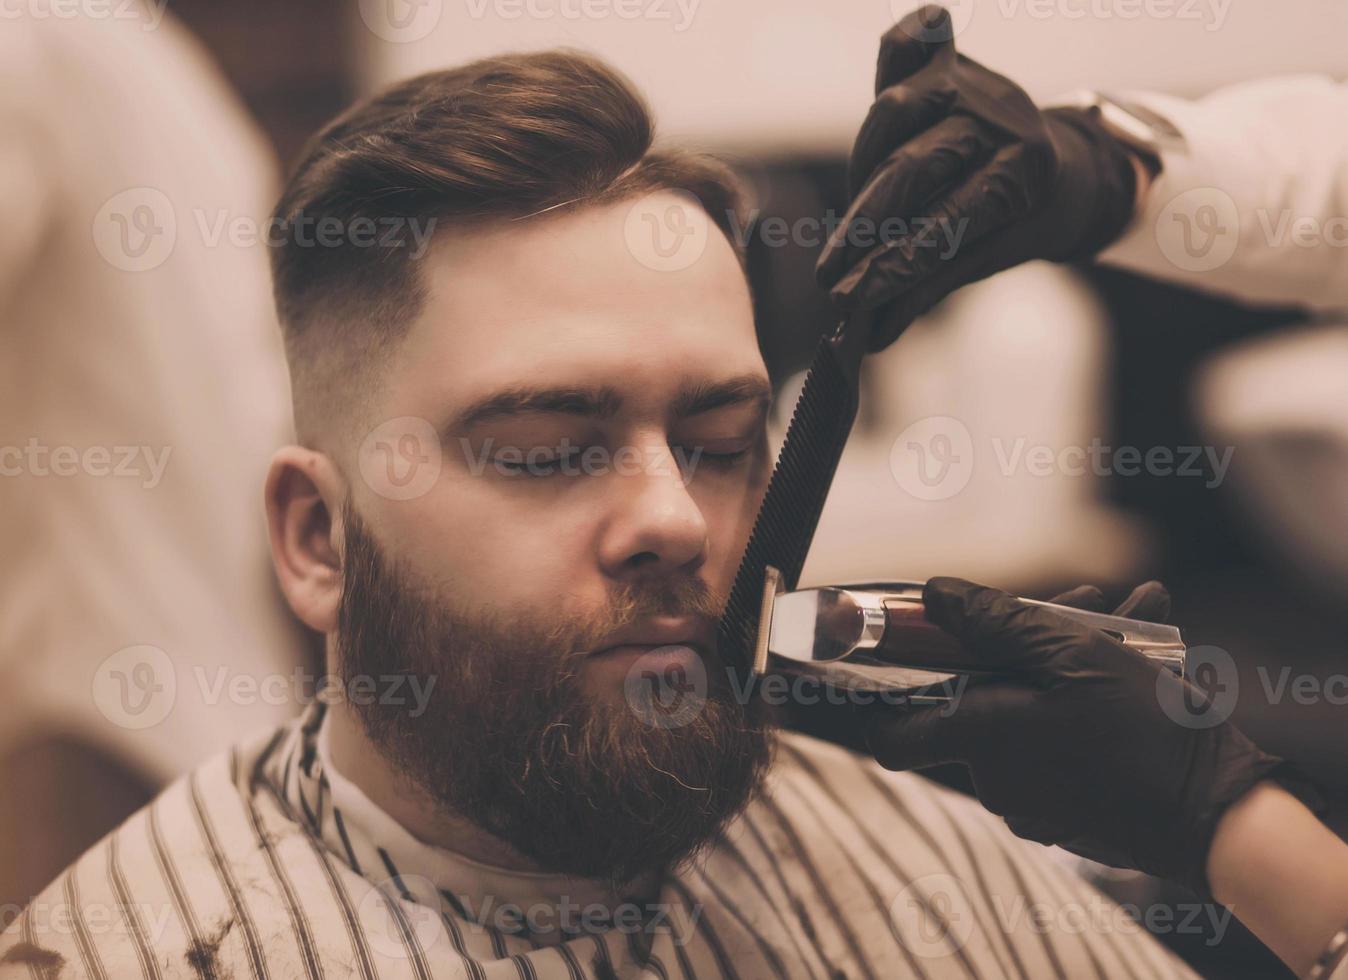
[303, 496]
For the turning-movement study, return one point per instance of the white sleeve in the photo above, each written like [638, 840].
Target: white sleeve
[1257, 206]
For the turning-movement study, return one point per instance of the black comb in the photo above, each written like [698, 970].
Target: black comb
[795, 496]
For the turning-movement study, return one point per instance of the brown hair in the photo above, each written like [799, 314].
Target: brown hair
[500, 138]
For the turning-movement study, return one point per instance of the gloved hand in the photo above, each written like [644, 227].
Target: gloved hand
[1082, 742]
[978, 176]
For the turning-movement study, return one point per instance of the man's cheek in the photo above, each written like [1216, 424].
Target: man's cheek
[530, 567]
[727, 534]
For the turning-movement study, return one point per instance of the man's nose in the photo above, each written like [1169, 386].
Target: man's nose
[654, 526]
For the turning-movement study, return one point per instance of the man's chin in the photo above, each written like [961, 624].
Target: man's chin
[668, 673]
[605, 795]
[666, 800]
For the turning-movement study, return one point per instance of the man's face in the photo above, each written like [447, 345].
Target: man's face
[603, 455]
[561, 304]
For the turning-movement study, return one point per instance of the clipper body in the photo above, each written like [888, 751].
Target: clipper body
[875, 636]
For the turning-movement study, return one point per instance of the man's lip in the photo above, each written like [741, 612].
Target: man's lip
[663, 631]
[696, 645]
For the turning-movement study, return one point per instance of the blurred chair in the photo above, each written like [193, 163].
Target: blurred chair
[1281, 402]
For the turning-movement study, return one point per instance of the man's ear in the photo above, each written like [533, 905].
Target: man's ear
[304, 494]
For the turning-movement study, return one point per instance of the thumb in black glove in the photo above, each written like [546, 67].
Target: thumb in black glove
[1078, 741]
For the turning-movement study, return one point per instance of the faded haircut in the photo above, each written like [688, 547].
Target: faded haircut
[501, 138]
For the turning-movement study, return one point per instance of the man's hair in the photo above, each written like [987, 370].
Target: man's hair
[501, 138]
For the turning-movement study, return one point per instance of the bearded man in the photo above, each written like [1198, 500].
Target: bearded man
[531, 442]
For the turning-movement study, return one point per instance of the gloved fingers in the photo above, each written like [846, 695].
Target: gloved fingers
[916, 738]
[976, 728]
[897, 115]
[894, 316]
[1086, 597]
[1150, 601]
[919, 37]
[896, 199]
[987, 201]
[999, 629]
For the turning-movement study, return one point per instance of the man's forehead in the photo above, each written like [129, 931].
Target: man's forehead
[549, 273]
[555, 306]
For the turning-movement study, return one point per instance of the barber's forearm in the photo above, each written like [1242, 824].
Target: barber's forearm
[1282, 873]
[1255, 206]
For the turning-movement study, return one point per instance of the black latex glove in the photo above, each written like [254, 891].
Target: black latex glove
[979, 177]
[1079, 745]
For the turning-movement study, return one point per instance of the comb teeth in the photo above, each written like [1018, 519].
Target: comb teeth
[796, 492]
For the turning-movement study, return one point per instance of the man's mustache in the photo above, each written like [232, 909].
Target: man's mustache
[636, 603]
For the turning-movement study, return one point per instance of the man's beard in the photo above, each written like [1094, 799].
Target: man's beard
[582, 784]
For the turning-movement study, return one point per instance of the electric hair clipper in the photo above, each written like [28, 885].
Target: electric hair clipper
[875, 636]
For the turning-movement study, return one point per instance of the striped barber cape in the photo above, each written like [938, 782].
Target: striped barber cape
[266, 863]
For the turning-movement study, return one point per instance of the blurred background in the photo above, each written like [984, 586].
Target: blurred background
[111, 111]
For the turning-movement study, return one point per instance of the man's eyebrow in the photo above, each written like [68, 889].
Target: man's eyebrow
[704, 397]
[604, 402]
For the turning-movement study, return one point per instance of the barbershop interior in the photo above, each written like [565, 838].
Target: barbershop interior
[1051, 421]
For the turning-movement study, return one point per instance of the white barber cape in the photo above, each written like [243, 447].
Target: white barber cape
[265, 862]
